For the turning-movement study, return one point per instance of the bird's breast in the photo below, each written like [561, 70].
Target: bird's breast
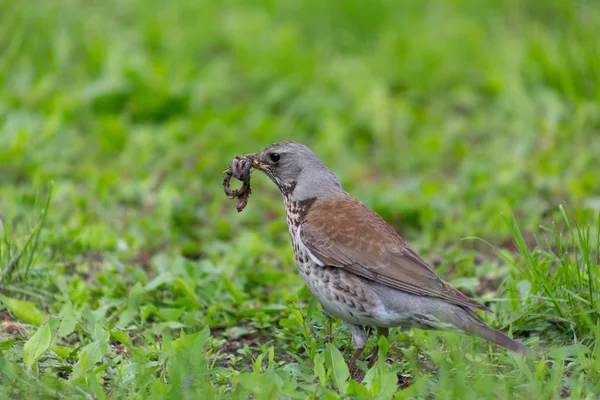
[341, 294]
[295, 213]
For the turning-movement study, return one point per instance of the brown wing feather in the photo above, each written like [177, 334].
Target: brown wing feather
[347, 234]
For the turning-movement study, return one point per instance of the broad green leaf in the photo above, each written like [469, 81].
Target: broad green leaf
[370, 377]
[37, 345]
[387, 384]
[68, 320]
[165, 277]
[359, 390]
[170, 314]
[339, 369]
[382, 350]
[63, 351]
[259, 385]
[187, 290]
[158, 390]
[122, 337]
[296, 313]
[54, 322]
[6, 344]
[568, 351]
[148, 310]
[319, 362]
[169, 325]
[97, 349]
[271, 356]
[93, 385]
[91, 354]
[235, 293]
[133, 305]
[196, 341]
[24, 310]
[257, 366]
[251, 382]
[203, 336]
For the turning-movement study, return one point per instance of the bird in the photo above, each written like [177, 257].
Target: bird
[357, 265]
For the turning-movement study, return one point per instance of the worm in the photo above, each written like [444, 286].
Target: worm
[239, 169]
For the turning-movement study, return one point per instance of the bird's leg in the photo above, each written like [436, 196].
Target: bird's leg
[328, 327]
[359, 337]
[381, 332]
[354, 371]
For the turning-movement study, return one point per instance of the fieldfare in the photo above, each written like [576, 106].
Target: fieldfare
[356, 265]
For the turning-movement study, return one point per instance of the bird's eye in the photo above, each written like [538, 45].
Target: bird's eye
[274, 157]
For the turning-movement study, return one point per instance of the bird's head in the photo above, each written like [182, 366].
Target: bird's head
[296, 170]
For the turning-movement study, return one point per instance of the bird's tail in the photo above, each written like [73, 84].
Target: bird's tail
[501, 339]
[485, 332]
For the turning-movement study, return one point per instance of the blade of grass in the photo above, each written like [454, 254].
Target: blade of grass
[26, 251]
[38, 231]
[519, 240]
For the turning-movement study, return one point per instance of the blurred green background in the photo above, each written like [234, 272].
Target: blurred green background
[446, 117]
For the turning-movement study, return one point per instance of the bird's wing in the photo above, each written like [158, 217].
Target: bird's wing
[347, 234]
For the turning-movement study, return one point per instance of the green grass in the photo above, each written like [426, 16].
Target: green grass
[126, 273]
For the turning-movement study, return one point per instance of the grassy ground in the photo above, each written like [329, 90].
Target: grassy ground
[127, 273]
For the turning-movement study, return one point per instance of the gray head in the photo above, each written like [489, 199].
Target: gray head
[297, 171]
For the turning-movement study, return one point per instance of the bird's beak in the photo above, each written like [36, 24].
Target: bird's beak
[254, 158]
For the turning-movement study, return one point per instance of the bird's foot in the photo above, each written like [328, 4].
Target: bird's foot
[357, 374]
